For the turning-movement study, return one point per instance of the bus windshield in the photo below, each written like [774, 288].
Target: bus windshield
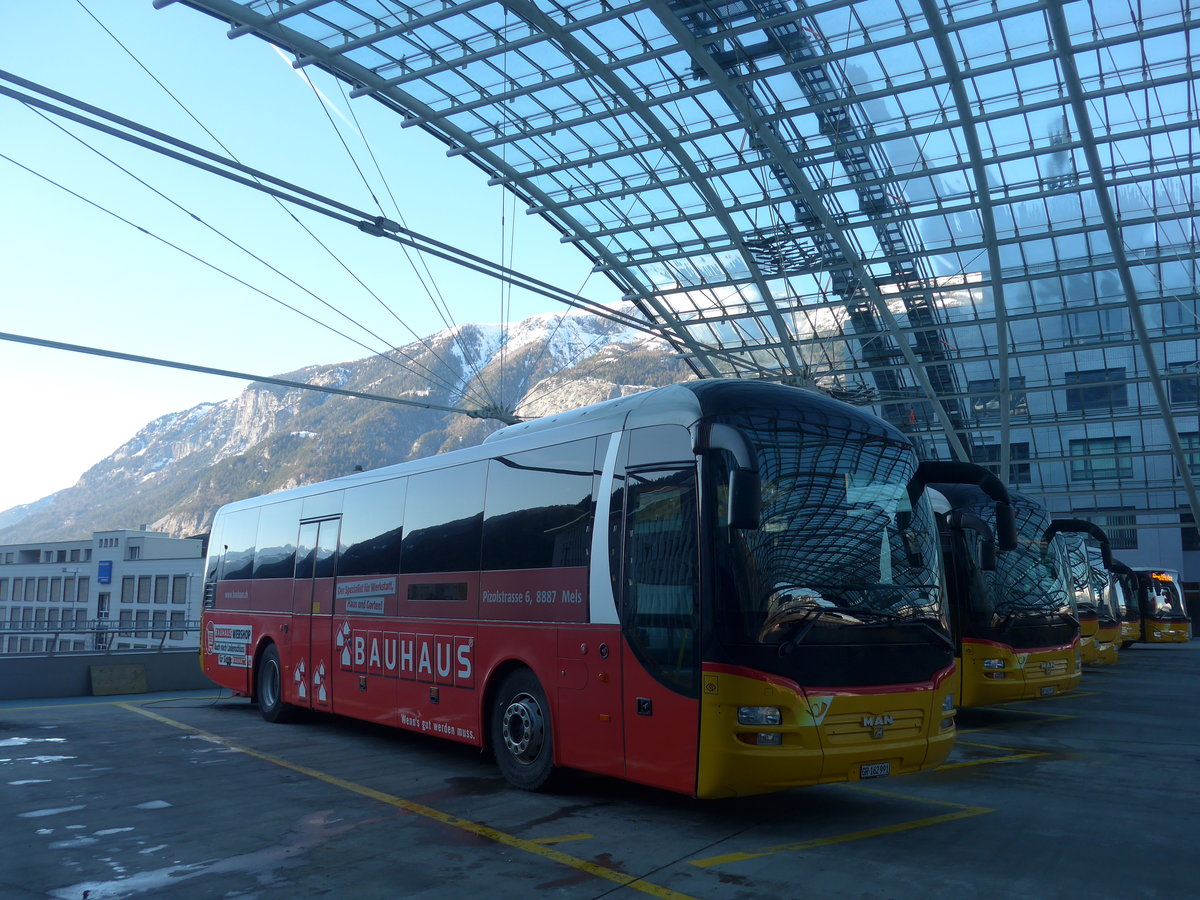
[1031, 579]
[1165, 599]
[838, 543]
[1080, 573]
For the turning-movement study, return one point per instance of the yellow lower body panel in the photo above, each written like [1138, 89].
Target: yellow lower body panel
[1167, 632]
[824, 735]
[993, 673]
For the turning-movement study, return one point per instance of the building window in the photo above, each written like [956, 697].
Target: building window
[988, 455]
[1097, 459]
[1097, 389]
[127, 584]
[179, 589]
[1189, 535]
[74, 556]
[1183, 385]
[143, 588]
[1190, 442]
[161, 584]
[985, 397]
[135, 552]
[1119, 527]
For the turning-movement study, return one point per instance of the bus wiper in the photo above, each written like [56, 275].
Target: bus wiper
[798, 631]
[926, 623]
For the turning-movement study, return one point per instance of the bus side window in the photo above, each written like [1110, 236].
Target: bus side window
[443, 520]
[238, 536]
[371, 528]
[325, 564]
[539, 508]
[660, 583]
[275, 553]
[306, 549]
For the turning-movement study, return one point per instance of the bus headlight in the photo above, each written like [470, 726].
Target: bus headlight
[993, 664]
[759, 715]
[948, 703]
[769, 739]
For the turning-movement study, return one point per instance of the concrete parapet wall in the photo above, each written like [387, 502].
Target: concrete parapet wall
[27, 677]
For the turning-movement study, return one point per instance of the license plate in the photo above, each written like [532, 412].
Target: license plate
[875, 770]
[1047, 691]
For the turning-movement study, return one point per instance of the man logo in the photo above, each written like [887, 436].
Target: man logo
[876, 724]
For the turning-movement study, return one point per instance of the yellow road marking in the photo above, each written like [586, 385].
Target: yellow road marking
[1011, 755]
[493, 834]
[961, 811]
[563, 839]
[16, 709]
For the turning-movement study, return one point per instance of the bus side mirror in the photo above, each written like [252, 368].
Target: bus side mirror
[745, 499]
[1006, 527]
[987, 556]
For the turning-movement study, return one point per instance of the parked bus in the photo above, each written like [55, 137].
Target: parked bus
[1164, 616]
[1012, 615]
[1125, 584]
[1098, 625]
[717, 588]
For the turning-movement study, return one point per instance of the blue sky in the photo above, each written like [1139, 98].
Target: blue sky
[74, 273]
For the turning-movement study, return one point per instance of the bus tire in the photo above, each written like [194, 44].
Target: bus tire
[268, 687]
[521, 734]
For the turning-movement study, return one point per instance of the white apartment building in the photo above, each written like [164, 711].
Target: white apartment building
[115, 590]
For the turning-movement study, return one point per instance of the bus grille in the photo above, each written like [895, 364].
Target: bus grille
[846, 729]
[1053, 668]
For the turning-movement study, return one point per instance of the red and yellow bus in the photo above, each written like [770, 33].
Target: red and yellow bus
[1012, 614]
[1125, 593]
[1164, 616]
[718, 588]
[1099, 625]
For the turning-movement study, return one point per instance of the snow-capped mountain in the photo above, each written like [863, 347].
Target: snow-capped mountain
[175, 472]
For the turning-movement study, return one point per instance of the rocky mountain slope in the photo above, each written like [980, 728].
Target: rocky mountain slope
[173, 474]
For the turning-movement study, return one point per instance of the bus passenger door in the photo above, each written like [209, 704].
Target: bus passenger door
[312, 614]
[660, 622]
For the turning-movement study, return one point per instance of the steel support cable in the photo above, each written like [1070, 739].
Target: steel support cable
[382, 354]
[349, 215]
[577, 49]
[215, 268]
[460, 142]
[243, 376]
[454, 333]
[429, 372]
[1079, 107]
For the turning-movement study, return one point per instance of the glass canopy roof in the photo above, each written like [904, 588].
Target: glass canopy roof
[976, 217]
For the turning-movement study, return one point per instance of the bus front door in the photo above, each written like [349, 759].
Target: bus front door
[312, 615]
[660, 618]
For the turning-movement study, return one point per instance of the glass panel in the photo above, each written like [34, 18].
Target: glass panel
[443, 520]
[236, 539]
[660, 605]
[275, 548]
[539, 508]
[372, 517]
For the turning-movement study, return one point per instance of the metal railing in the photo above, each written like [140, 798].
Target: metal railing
[102, 633]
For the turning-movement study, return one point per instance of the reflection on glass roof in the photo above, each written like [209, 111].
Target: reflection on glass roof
[976, 217]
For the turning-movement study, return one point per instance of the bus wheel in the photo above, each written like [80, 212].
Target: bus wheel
[269, 687]
[520, 732]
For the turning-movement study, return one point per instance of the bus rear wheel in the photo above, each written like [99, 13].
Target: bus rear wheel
[521, 732]
[268, 687]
